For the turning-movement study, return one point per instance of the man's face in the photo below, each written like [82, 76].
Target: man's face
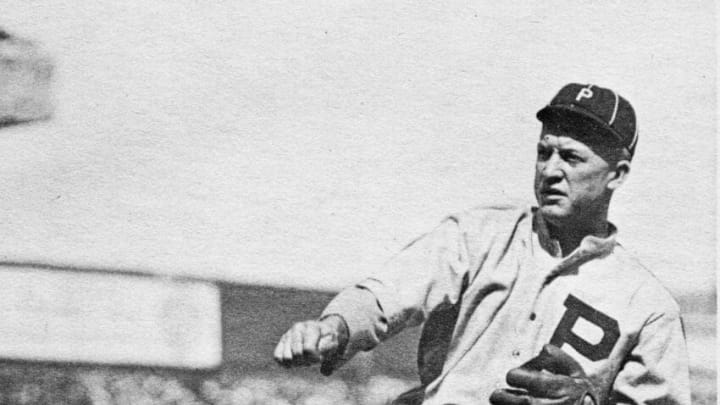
[571, 179]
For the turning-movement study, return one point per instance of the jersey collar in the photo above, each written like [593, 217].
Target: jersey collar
[590, 247]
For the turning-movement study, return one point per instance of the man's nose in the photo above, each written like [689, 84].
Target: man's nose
[551, 167]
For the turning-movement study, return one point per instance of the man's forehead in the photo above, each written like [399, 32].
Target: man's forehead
[562, 141]
[569, 136]
[566, 142]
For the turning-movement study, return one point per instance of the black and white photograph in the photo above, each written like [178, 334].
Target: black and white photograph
[358, 202]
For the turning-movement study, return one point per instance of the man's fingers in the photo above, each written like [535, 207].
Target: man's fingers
[299, 346]
[510, 397]
[279, 349]
[287, 346]
[539, 383]
[310, 344]
[282, 355]
[298, 335]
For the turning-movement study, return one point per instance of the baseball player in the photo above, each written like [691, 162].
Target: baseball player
[524, 305]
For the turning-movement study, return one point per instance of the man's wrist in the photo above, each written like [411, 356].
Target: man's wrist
[338, 324]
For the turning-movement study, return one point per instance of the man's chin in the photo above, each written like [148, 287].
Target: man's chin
[553, 213]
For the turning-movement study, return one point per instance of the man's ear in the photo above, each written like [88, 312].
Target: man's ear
[618, 174]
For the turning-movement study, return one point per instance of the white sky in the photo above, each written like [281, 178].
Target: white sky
[302, 143]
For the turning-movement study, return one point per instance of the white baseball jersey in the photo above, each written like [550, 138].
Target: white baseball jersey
[492, 288]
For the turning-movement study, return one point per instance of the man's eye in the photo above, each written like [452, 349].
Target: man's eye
[543, 154]
[570, 157]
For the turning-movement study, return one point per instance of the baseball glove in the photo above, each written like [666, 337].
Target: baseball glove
[551, 378]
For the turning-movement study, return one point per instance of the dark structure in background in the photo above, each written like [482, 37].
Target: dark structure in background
[25, 81]
[252, 313]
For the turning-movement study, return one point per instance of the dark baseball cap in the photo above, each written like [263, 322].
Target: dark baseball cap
[595, 111]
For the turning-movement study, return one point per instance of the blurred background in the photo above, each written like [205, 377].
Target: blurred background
[281, 151]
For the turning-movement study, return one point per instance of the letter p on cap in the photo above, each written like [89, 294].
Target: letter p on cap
[585, 92]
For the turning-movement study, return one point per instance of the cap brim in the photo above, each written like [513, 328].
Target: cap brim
[576, 118]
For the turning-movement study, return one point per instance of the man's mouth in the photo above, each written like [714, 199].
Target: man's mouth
[550, 193]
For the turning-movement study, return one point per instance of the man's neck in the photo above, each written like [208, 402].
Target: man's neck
[571, 235]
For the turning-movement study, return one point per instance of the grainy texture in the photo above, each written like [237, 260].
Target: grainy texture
[301, 144]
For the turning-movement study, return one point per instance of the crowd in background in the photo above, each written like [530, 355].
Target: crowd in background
[29, 385]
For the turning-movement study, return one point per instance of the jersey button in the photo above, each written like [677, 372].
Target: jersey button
[516, 353]
[532, 316]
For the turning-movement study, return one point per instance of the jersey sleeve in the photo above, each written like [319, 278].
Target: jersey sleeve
[657, 368]
[427, 273]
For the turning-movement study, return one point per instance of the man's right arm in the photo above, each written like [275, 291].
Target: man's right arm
[429, 272]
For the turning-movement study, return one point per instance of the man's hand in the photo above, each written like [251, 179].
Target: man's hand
[551, 378]
[312, 342]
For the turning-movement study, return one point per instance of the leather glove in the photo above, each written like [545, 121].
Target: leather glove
[551, 378]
